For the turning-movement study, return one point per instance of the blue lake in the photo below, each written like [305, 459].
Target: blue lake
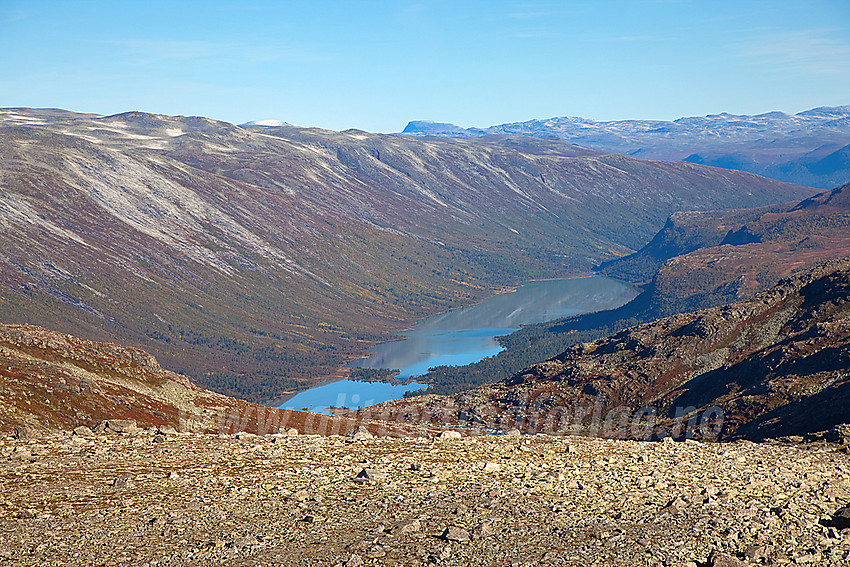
[463, 336]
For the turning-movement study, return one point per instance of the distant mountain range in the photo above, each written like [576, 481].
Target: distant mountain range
[810, 148]
[259, 259]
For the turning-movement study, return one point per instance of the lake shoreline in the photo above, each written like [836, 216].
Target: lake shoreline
[465, 335]
[495, 292]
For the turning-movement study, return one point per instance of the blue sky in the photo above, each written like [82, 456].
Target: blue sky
[375, 65]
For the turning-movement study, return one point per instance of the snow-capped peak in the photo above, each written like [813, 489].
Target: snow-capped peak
[270, 123]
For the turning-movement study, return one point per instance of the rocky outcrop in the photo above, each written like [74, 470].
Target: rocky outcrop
[700, 260]
[51, 381]
[684, 232]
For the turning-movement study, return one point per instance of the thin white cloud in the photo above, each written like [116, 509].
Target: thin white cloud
[156, 51]
[535, 10]
[633, 38]
[10, 16]
[817, 51]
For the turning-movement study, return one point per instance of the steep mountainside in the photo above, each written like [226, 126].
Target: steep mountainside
[823, 166]
[683, 232]
[257, 260]
[704, 259]
[807, 148]
[775, 364]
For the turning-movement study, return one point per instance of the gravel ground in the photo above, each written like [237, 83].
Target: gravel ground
[151, 499]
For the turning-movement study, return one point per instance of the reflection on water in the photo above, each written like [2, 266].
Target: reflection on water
[467, 335]
[347, 394]
[422, 349]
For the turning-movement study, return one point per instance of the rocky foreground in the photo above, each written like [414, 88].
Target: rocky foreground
[154, 498]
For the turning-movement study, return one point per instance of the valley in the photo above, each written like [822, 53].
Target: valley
[703, 422]
[697, 260]
[259, 260]
[589, 308]
[773, 365]
[460, 337]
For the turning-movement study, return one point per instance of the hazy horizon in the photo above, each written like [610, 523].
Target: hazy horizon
[377, 65]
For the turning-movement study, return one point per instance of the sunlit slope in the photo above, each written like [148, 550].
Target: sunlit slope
[257, 260]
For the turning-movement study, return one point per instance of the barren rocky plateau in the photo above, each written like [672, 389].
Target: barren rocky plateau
[155, 497]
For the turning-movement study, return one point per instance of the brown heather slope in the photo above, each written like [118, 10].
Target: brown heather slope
[256, 261]
[773, 365]
[52, 381]
[701, 260]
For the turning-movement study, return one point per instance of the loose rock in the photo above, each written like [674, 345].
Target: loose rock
[117, 426]
[841, 518]
[455, 533]
[23, 432]
[449, 435]
[83, 431]
[406, 527]
[718, 559]
[122, 482]
[369, 475]
[765, 502]
[360, 433]
[354, 561]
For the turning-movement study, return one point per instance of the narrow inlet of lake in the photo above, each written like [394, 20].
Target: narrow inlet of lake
[463, 336]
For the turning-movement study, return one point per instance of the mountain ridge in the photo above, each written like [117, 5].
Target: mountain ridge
[727, 255]
[52, 381]
[809, 147]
